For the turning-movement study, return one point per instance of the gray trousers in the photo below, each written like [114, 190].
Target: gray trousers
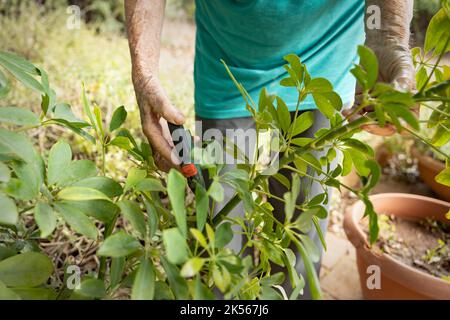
[276, 188]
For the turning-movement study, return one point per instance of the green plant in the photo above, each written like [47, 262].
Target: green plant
[155, 237]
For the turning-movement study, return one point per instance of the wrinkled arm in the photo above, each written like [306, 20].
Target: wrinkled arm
[144, 20]
[391, 41]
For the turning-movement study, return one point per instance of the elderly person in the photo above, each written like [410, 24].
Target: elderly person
[252, 36]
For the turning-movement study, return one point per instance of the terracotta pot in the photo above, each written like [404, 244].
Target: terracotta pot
[398, 280]
[428, 169]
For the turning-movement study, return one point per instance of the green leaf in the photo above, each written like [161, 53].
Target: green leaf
[117, 269]
[5, 85]
[132, 212]
[437, 32]
[284, 116]
[368, 60]
[224, 234]
[8, 212]
[64, 112]
[310, 247]
[45, 218]
[119, 245]
[105, 185]
[118, 118]
[221, 277]
[29, 180]
[201, 291]
[122, 142]
[313, 279]
[199, 237]
[134, 177]
[78, 170]
[87, 109]
[444, 177]
[18, 116]
[98, 120]
[77, 220]
[216, 191]
[5, 173]
[177, 283]
[319, 85]
[201, 206]
[144, 282]
[25, 78]
[149, 185]
[16, 146]
[302, 123]
[153, 218]
[29, 269]
[192, 267]
[7, 294]
[324, 105]
[58, 162]
[176, 187]
[81, 194]
[103, 210]
[35, 293]
[176, 247]
[92, 288]
[20, 62]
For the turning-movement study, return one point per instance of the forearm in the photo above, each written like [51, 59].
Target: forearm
[144, 20]
[396, 16]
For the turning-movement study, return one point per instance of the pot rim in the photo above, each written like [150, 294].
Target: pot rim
[405, 272]
[427, 160]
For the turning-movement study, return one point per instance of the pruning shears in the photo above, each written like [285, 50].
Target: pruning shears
[189, 169]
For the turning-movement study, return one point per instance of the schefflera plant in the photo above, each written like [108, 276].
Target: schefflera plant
[153, 235]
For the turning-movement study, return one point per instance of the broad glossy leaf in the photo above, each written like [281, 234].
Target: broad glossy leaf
[177, 283]
[78, 170]
[18, 116]
[176, 188]
[77, 220]
[7, 293]
[118, 118]
[81, 194]
[149, 185]
[92, 288]
[144, 282]
[176, 247]
[45, 218]
[8, 212]
[5, 173]
[224, 234]
[303, 122]
[105, 185]
[16, 146]
[201, 206]
[444, 177]
[134, 177]
[192, 267]
[58, 161]
[63, 111]
[29, 269]
[36, 293]
[132, 212]
[119, 245]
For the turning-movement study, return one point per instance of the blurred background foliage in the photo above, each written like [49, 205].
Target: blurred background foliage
[97, 53]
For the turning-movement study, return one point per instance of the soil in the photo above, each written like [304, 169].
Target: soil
[423, 245]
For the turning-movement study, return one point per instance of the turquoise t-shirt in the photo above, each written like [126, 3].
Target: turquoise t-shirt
[252, 36]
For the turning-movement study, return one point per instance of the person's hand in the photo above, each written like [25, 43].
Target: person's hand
[391, 46]
[156, 110]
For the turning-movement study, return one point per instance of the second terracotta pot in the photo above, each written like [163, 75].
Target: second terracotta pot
[398, 280]
[429, 168]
